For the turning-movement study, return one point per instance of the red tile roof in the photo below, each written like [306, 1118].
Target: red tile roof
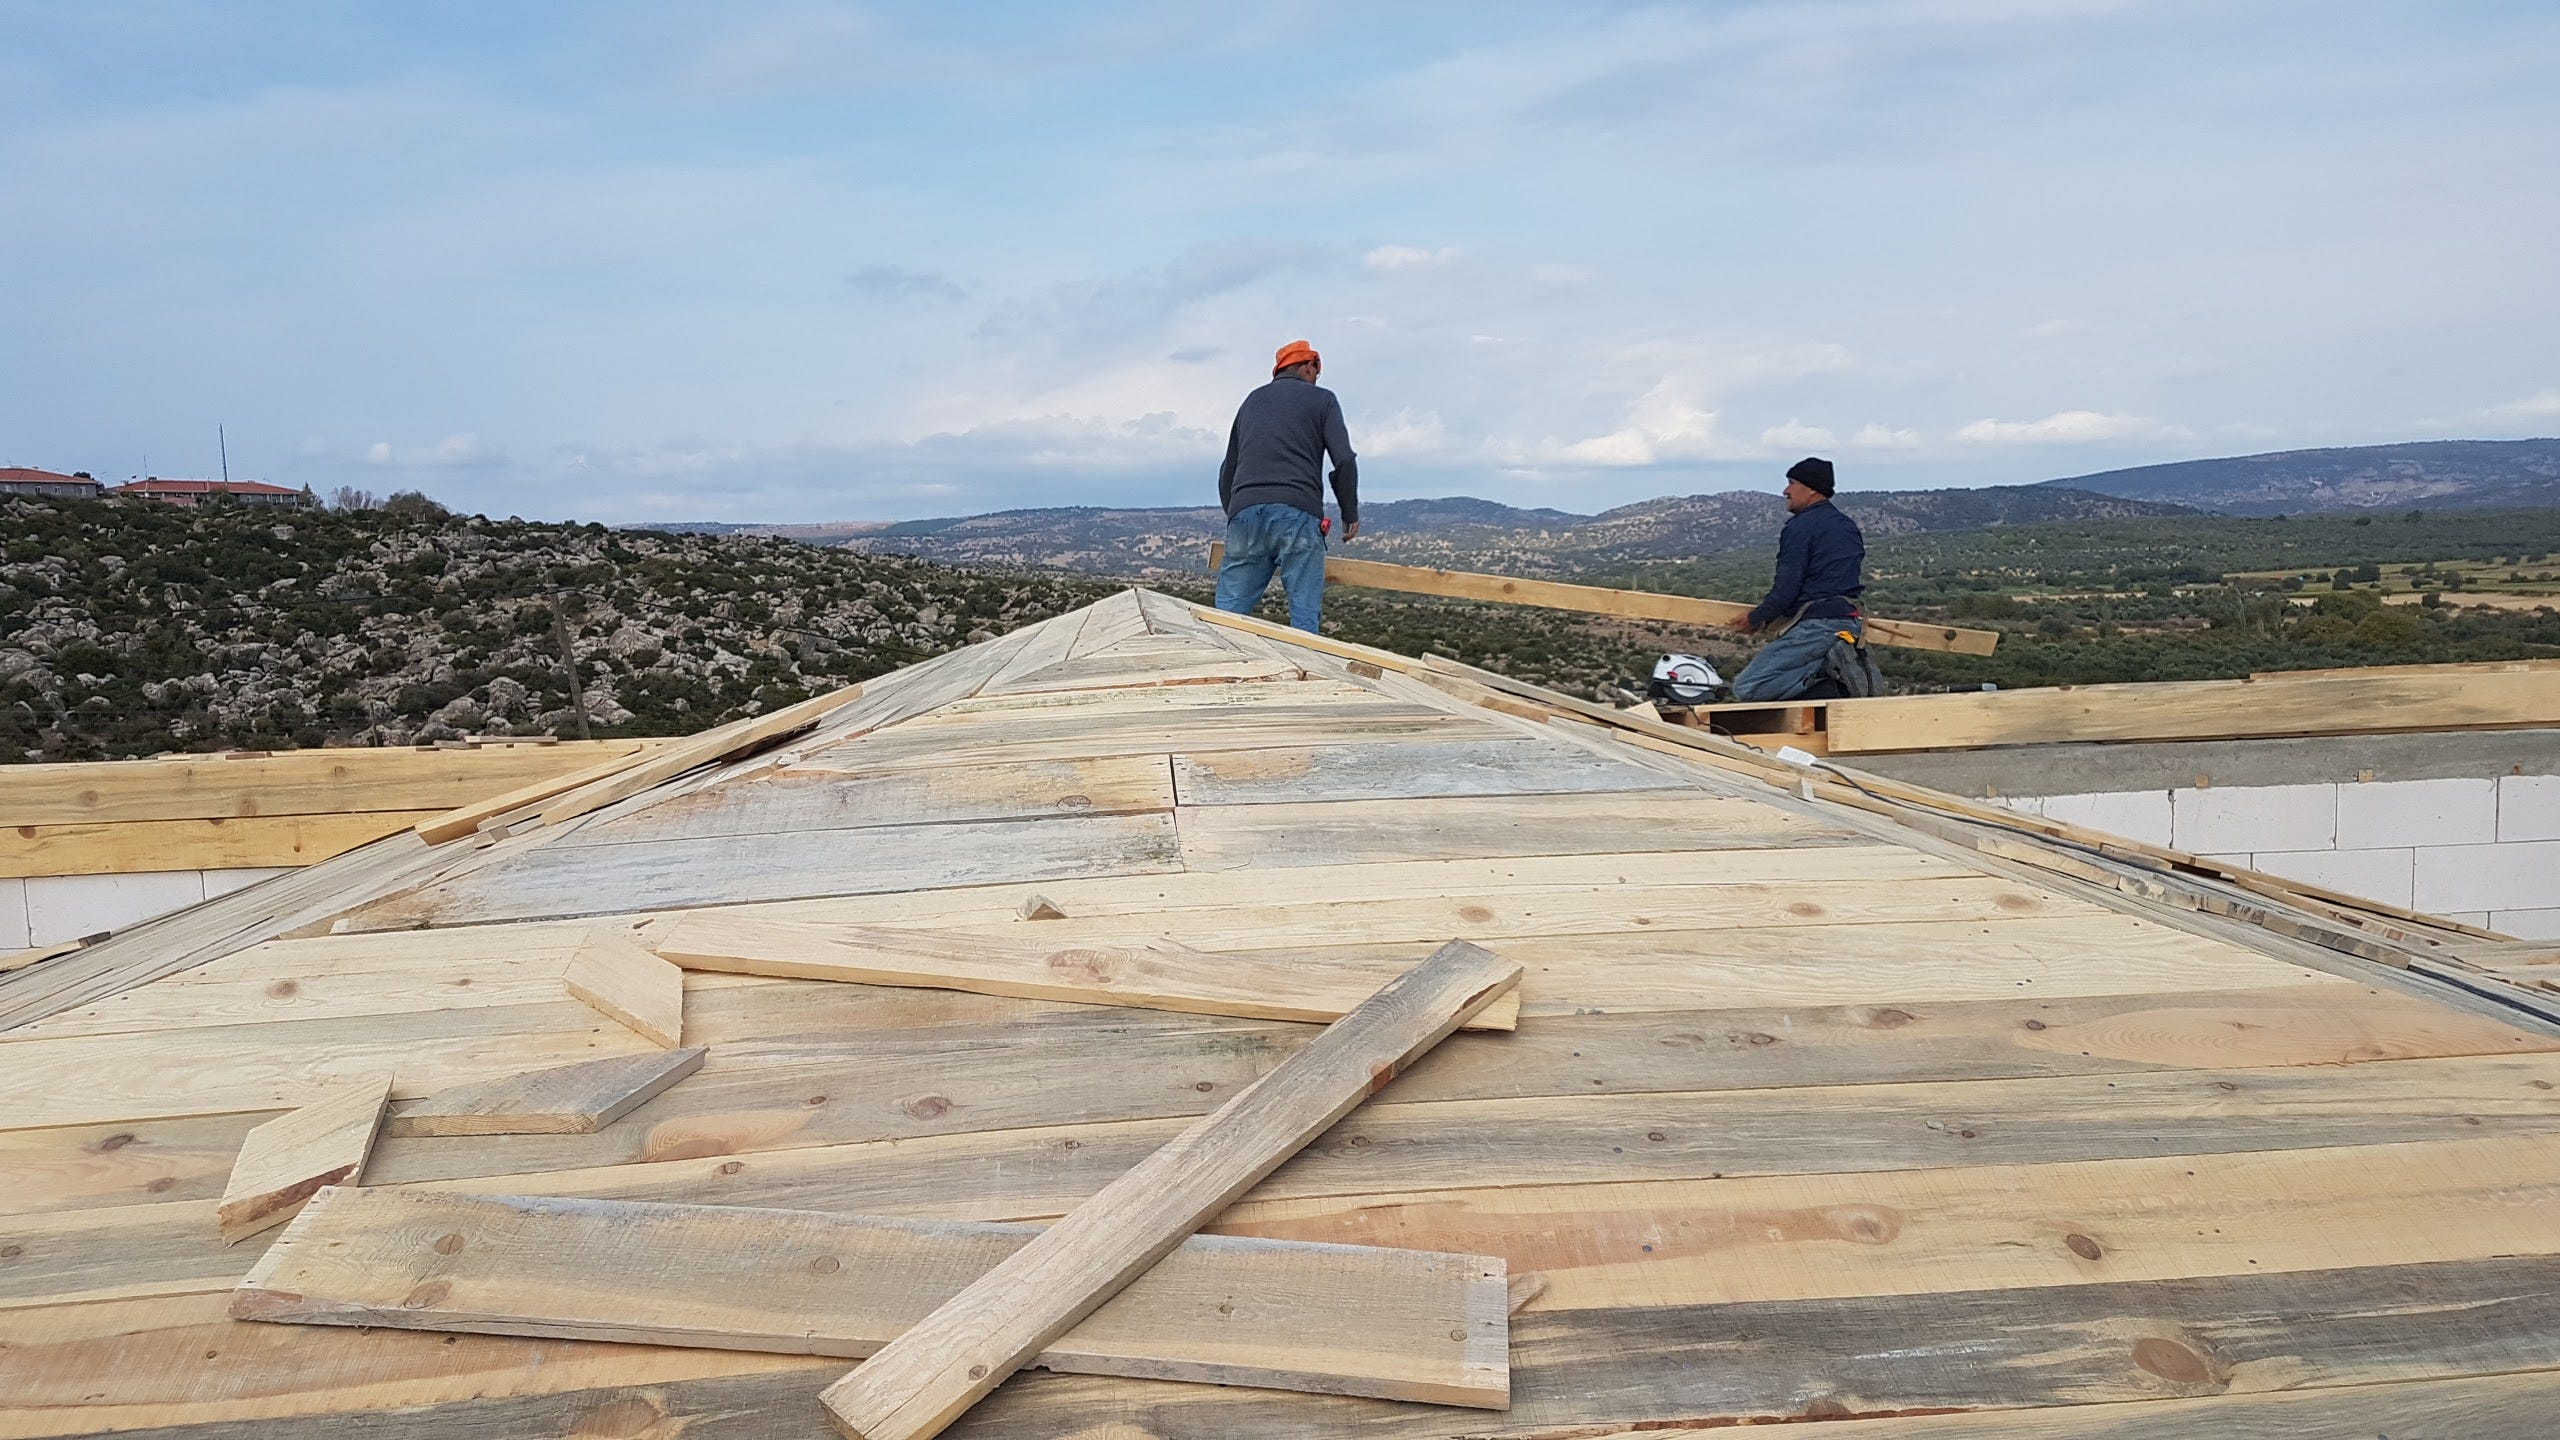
[156, 486]
[40, 477]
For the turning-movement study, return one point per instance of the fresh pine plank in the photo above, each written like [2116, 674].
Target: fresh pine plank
[1152, 977]
[125, 847]
[1335, 1319]
[934, 1370]
[630, 985]
[674, 760]
[1509, 766]
[797, 801]
[986, 737]
[563, 1100]
[211, 995]
[285, 1160]
[290, 782]
[561, 881]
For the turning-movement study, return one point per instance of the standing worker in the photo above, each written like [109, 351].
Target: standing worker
[1272, 488]
[1820, 558]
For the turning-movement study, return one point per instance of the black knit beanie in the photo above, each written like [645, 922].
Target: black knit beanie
[1813, 473]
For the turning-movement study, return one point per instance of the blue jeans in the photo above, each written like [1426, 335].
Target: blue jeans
[1266, 539]
[1788, 664]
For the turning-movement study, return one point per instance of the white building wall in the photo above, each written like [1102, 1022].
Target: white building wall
[49, 909]
[2486, 851]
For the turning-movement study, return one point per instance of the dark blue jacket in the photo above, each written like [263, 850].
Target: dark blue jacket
[1819, 557]
[1276, 451]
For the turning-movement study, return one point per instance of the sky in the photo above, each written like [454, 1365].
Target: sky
[658, 260]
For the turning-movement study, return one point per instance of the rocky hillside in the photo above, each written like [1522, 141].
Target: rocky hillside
[2442, 474]
[128, 629]
[1465, 533]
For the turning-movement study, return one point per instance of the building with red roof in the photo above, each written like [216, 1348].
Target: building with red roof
[199, 492]
[45, 484]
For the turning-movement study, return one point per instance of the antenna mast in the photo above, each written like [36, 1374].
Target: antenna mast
[223, 440]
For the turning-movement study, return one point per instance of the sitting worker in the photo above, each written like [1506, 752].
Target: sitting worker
[1272, 487]
[1819, 557]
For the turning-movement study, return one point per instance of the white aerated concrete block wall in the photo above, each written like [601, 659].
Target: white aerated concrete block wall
[49, 909]
[2484, 851]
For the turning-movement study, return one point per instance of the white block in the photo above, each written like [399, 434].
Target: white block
[2255, 817]
[2527, 924]
[2524, 875]
[2134, 814]
[2529, 807]
[218, 883]
[66, 907]
[2242, 859]
[2391, 813]
[13, 916]
[2020, 804]
[2386, 875]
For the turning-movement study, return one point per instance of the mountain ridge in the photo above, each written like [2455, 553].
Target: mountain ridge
[2452, 474]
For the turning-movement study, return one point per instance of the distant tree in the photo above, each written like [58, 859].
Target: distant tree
[348, 497]
[415, 505]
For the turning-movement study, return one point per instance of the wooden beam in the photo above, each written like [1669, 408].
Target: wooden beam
[707, 749]
[285, 782]
[628, 984]
[1150, 977]
[2477, 667]
[1618, 604]
[1291, 635]
[286, 1160]
[129, 847]
[1332, 1319]
[922, 1381]
[2350, 704]
[576, 1099]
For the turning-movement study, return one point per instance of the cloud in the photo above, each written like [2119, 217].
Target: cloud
[2064, 427]
[896, 282]
[1796, 435]
[1405, 435]
[1878, 437]
[1387, 258]
[2542, 405]
[1136, 305]
[453, 452]
[797, 47]
[1665, 424]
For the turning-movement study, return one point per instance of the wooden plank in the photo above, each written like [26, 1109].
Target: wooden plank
[286, 782]
[576, 1099]
[77, 1080]
[566, 881]
[2352, 704]
[1173, 666]
[675, 759]
[1617, 604]
[128, 847]
[1050, 642]
[1415, 770]
[1429, 1327]
[287, 1159]
[1455, 1151]
[197, 999]
[1289, 834]
[2477, 667]
[1109, 621]
[1306, 640]
[1150, 977]
[467, 819]
[1903, 1232]
[919, 1382]
[798, 801]
[629, 985]
[1021, 739]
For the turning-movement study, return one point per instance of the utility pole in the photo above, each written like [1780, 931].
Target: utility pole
[224, 441]
[569, 661]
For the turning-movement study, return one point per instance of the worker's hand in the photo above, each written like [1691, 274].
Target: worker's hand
[1350, 529]
[1742, 622]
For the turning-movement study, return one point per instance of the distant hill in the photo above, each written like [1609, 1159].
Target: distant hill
[2446, 474]
[1465, 533]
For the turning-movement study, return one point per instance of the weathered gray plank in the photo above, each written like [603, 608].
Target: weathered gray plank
[576, 1099]
[1286, 834]
[564, 881]
[1507, 766]
[798, 801]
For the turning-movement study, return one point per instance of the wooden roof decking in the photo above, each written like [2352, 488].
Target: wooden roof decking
[1808, 1115]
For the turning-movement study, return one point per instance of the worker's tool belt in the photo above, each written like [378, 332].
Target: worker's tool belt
[1834, 607]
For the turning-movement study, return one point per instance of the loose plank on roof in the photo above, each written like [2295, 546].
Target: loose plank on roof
[286, 1160]
[1341, 1319]
[1021, 963]
[937, 1368]
[563, 1100]
[1505, 766]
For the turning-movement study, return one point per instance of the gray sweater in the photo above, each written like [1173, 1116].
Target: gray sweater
[1276, 450]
